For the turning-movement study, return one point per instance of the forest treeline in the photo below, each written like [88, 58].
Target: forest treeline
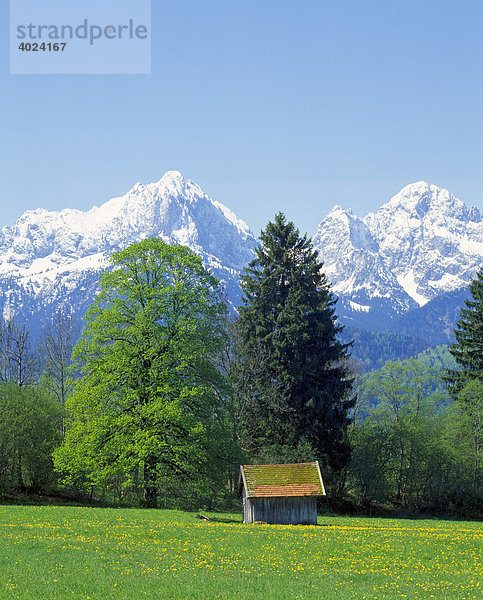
[165, 392]
[371, 349]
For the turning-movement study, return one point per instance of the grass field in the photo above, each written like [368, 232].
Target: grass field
[101, 553]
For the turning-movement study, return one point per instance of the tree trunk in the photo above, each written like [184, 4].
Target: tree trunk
[19, 478]
[400, 476]
[150, 496]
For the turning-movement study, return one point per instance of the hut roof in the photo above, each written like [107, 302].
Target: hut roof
[299, 479]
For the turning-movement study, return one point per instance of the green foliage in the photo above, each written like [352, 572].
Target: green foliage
[468, 348]
[371, 349]
[411, 445]
[399, 451]
[29, 432]
[291, 367]
[149, 400]
[438, 357]
[466, 439]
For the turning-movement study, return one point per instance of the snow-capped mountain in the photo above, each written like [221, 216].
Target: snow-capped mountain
[421, 244]
[355, 267]
[51, 257]
[420, 249]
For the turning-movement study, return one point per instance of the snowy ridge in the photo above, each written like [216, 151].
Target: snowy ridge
[422, 243]
[46, 251]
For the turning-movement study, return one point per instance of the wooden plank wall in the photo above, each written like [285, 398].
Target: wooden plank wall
[284, 511]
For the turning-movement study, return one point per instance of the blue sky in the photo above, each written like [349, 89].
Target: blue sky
[269, 105]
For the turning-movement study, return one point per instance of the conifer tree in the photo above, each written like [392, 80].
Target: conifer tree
[298, 393]
[468, 348]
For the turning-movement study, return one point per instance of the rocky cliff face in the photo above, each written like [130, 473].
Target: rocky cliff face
[47, 258]
[420, 249]
[421, 244]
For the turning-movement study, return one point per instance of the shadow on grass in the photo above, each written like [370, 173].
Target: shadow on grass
[218, 518]
[225, 520]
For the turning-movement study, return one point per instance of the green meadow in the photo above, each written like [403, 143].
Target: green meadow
[50, 552]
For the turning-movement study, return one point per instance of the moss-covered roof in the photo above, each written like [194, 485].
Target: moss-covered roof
[299, 479]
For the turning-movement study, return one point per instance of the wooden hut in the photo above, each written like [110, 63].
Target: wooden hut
[283, 494]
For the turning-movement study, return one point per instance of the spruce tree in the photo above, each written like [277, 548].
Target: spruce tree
[292, 368]
[468, 348]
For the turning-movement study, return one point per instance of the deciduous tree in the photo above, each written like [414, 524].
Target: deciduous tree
[57, 343]
[149, 395]
[29, 432]
[17, 361]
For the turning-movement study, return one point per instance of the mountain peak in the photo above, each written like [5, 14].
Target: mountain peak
[423, 242]
[338, 211]
[422, 198]
[42, 246]
[172, 174]
[174, 178]
[413, 197]
[175, 186]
